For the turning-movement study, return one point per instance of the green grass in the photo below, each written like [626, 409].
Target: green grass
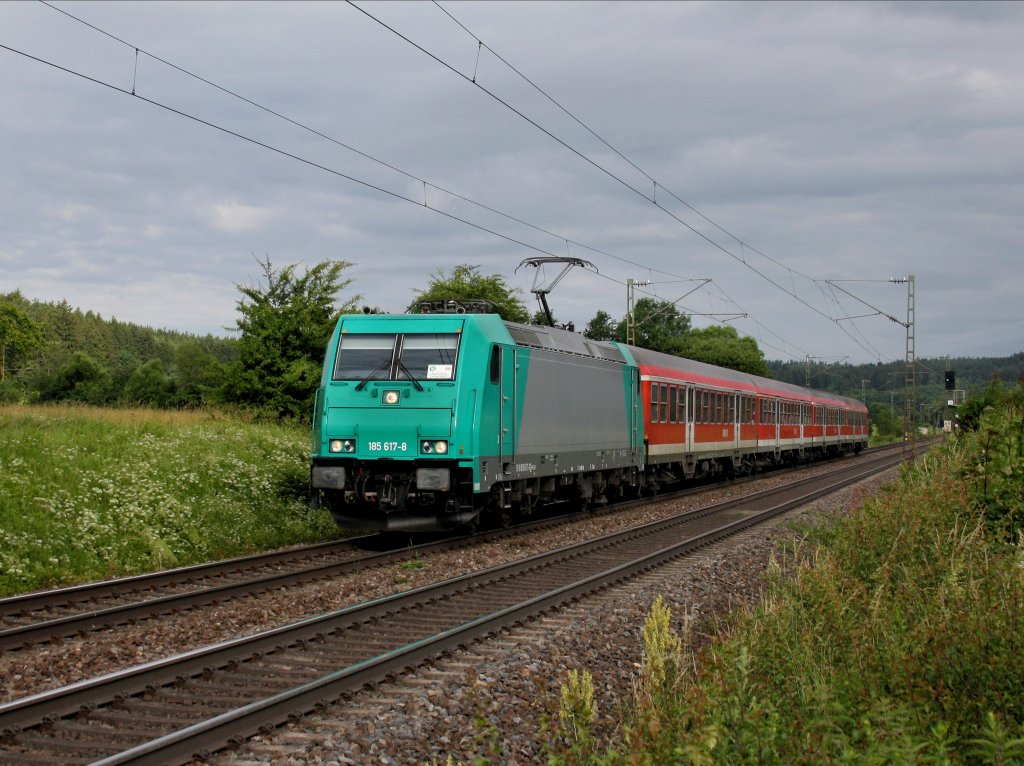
[900, 639]
[88, 493]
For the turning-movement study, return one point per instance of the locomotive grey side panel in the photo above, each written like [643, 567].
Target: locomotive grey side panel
[571, 405]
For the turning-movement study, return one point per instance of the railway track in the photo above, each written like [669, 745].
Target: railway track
[168, 710]
[45, 616]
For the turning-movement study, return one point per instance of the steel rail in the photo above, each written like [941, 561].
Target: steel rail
[21, 636]
[77, 624]
[229, 728]
[117, 586]
[29, 712]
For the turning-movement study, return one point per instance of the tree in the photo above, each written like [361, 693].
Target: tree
[148, 384]
[198, 375]
[465, 282]
[993, 396]
[722, 345]
[81, 379]
[540, 319]
[285, 325]
[659, 326]
[885, 424]
[18, 333]
[601, 327]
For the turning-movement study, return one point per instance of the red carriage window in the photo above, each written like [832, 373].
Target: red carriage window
[654, 402]
[673, 392]
[664, 403]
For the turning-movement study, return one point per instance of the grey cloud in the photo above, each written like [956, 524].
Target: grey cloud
[846, 140]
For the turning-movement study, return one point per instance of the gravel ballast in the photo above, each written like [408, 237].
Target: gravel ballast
[489, 700]
[492, 699]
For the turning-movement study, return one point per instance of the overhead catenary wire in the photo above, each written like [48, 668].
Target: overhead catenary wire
[650, 198]
[426, 184]
[278, 150]
[269, 147]
[653, 198]
[383, 163]
[654, 183]
[422, 203]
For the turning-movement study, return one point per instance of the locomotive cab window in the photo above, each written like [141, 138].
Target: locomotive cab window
[362, 357]
[427, 357]
[374, 356]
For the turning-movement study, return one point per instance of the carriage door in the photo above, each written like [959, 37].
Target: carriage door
[691, 417]
[737, 418]
[777, 403]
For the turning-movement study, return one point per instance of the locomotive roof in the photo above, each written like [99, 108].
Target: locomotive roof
[566, 341]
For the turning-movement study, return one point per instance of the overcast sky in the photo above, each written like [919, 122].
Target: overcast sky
[844, 141]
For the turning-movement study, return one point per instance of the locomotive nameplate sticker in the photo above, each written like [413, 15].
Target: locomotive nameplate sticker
[439, 371]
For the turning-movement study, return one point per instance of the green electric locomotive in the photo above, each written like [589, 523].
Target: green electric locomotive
[438, 421]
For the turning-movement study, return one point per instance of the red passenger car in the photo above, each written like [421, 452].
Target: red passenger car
[701, 420]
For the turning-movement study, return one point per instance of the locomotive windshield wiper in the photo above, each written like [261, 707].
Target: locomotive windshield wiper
[408, 374]
[373, 373]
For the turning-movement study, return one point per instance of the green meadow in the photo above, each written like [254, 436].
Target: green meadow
[89, 493]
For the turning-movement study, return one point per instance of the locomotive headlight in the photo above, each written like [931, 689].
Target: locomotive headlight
[335, 445]
[439, 447]
[391, 397]
[342, 445]
[426, 448]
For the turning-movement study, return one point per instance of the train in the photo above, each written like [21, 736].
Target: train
[448, 420]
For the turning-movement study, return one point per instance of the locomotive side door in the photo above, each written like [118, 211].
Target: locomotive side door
[507, 404]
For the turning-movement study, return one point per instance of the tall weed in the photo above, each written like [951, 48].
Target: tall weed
[899, 639]
[994, 466]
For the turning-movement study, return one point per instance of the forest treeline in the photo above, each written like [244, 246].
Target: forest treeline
[881, 385]
[66, 354]
[54, 352]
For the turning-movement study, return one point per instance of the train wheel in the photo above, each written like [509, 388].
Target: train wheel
[499, 509]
